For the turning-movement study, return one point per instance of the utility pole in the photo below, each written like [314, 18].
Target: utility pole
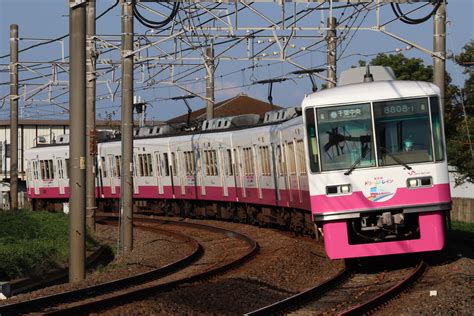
[14, 117]
[439, 48]
[331, 39]
[210, 82]
[126, 192]
[77, 144]
[91, 135]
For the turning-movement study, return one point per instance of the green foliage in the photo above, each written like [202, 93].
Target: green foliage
[463, 227]
[32, 242]
[404, 68]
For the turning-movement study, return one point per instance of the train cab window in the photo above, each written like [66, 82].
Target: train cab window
[312, 143]
[436, 122]
[249, 168]
[402, 129]
[68, 168]
[345, 137]
[47, 171]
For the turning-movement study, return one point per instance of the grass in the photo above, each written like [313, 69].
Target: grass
[33, 242]
[463, 227]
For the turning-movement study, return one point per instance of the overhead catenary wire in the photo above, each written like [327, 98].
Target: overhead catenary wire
[405, 19]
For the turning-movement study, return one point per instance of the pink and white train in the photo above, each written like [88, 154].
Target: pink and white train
[365, 164]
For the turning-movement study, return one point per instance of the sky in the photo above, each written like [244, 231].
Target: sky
[48, 19]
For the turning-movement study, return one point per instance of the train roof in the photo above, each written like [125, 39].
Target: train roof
[371, 91]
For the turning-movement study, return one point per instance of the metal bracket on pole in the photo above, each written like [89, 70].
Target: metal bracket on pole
[75, 3]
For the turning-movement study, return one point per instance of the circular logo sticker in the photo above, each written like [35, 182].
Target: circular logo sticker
[379, 189]
[333, 115]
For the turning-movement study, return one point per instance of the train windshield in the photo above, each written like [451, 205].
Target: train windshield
[402, 129]
[345, 137]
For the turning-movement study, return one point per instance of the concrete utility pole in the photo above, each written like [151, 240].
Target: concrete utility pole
[439, 48]
[210, 83]
[91, 137]
[14, 117]
[77, 140]
[126, 192]
[331, 39]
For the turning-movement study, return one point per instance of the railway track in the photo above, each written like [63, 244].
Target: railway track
[117, 292]
[347, 293]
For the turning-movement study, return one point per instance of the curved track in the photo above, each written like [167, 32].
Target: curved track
[116, 292]
[364, 292]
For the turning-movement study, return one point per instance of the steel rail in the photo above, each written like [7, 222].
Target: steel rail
[43, 302]
[152, 289]
[389, 294]
[303, 297]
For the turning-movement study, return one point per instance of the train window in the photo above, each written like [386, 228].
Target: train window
[265, 160]
[174, 163]
[35, 170]
[437, 129]
[290, 154]
[60, 169]
[190, 162]
[300, 157]
[145, 166]
[345, 137]
[312, 143]
[47, 171]
[228, 162]
[249, 168]
[236, 164]
[210, 159]
[281, 161]
[103, 169]
[117, 169]
[68, 168]
[166, 164]
[402, 129]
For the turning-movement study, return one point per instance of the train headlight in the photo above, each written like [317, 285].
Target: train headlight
[346, 188]
[419, 182]
[338, 189]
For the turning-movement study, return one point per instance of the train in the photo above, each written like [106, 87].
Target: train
[362, 164]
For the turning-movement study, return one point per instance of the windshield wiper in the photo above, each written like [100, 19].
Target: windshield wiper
[400, 162]
[354, 165]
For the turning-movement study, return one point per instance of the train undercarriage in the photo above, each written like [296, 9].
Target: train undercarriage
[298, 221]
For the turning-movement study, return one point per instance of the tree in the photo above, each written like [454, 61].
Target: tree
[458, 146]
[460, 142]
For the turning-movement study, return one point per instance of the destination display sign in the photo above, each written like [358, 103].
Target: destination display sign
[344, 113]
[401, 108]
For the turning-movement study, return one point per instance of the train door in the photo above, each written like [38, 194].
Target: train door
[159, 171]
[36, 179]
[60, 166]
[223, 164]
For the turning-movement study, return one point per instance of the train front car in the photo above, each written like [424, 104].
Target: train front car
[379, 179]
